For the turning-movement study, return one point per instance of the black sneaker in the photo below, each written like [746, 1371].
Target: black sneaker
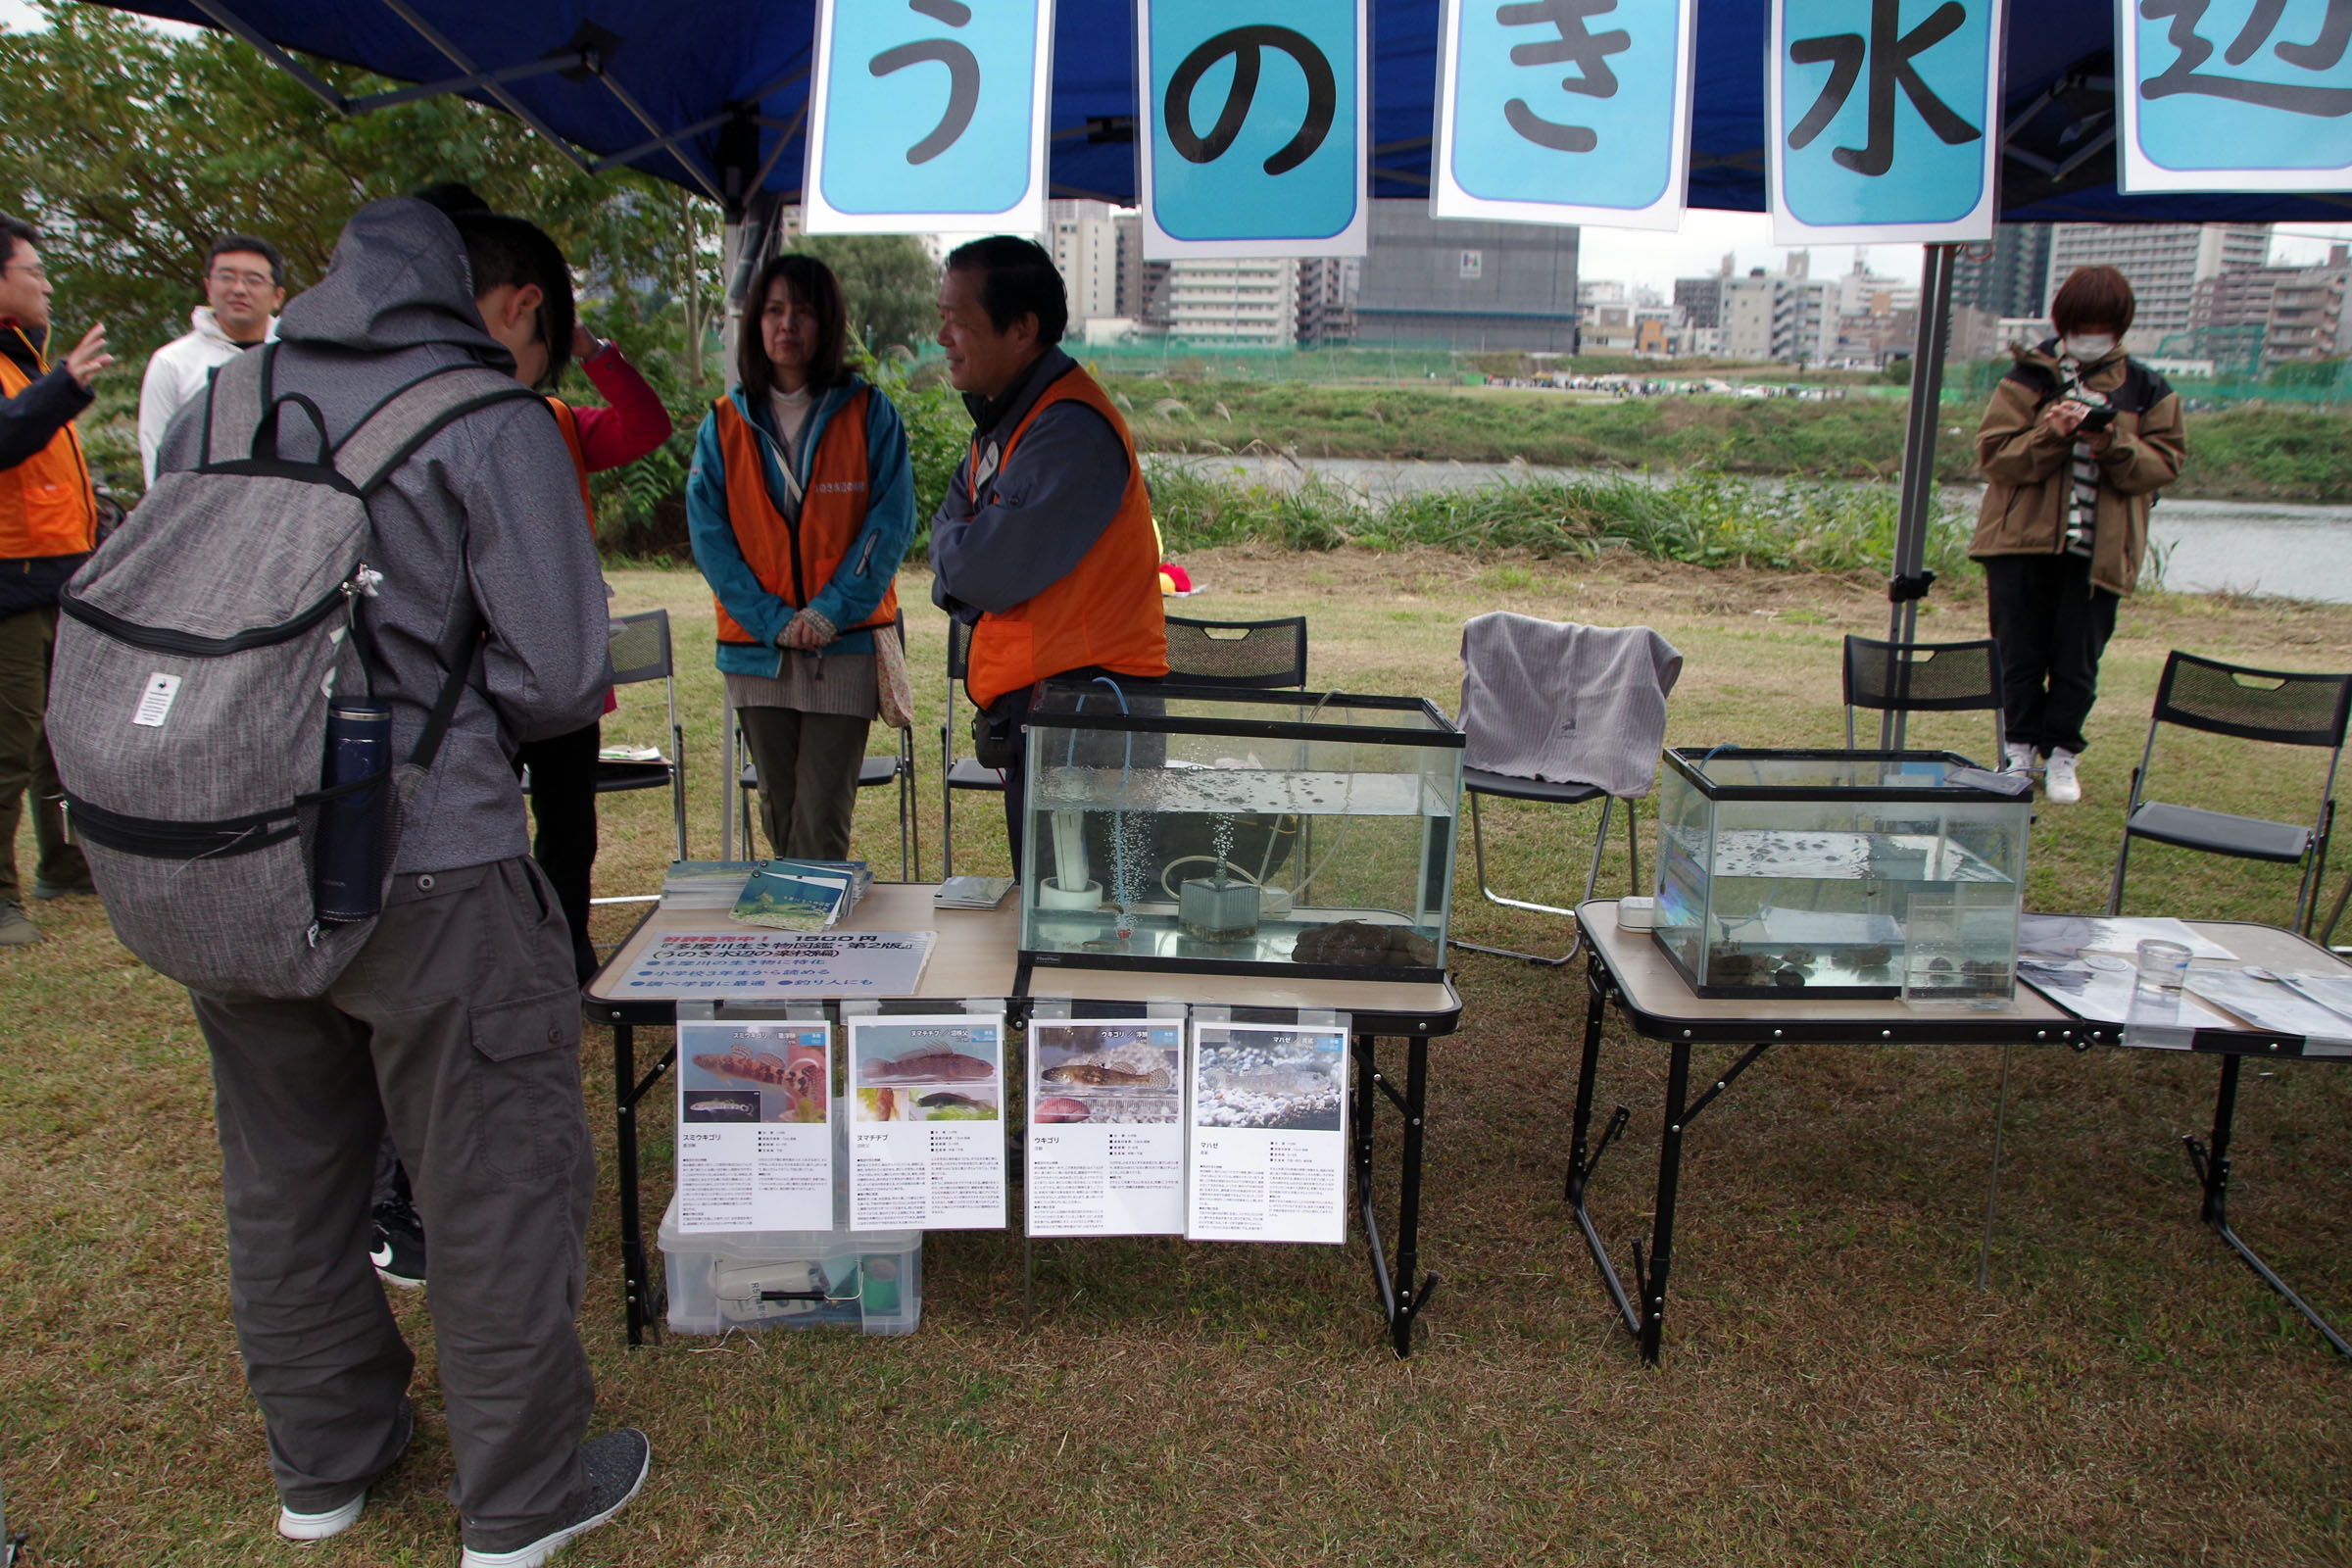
[398, 1247]
[617, 1464]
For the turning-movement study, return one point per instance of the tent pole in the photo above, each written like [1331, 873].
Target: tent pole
[744, 241]
[1904, 587]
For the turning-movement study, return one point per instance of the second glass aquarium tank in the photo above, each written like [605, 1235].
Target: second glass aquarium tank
[1238, 831]
[1839, 874]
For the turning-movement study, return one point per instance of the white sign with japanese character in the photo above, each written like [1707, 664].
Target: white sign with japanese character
[2233, 95]
[1563, 112]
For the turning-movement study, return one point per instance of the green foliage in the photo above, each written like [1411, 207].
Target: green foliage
[132, 150]
[888, 285]
[1700, 517]
[939, 432]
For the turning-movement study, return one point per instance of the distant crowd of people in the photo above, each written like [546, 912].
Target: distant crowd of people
[431, 1089]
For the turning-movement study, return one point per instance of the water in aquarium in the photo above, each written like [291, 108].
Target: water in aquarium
[1873, 882]
[1151, 844]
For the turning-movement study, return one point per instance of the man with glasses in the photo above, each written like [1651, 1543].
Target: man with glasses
[244, 284]
[48, 526]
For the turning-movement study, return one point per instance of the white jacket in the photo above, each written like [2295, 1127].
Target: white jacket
[176, 373]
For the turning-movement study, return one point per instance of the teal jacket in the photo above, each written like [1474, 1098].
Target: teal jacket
[865, 571]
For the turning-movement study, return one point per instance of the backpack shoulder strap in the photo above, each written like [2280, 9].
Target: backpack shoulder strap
[412, 415]
[236, 398]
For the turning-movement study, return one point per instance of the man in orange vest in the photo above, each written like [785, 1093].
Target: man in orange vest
[1043, 544]
[48, 526]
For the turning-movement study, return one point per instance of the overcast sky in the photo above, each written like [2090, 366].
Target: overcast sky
[1635, 255]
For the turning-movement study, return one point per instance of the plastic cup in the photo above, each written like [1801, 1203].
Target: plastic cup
[2163, 966]
[881, 1291]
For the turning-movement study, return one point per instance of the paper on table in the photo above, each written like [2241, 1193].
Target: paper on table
[1267, 1126]
[2066, 935]
[2330, 990]
[2105, 988]
[2274, 1009]
[926, 1111]
[755, 1148]
[755, 962]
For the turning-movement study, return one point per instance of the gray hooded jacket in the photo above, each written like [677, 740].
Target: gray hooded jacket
[481, 525]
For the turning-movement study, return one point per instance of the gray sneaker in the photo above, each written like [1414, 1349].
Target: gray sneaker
[617, 1464]
[15, 930]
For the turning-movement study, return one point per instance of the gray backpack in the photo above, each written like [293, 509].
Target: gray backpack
[196, 655]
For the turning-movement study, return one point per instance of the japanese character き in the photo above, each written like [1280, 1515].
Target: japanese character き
[1588, 51]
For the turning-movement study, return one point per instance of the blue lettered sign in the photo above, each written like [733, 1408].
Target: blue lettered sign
[1882, 120]
[927, 115]
[1257, 119]
[2234, 95]
[1564, 111]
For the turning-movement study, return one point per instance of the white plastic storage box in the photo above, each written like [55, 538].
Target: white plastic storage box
[871, 1281]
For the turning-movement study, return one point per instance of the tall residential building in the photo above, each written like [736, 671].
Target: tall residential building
[1877, 317]
[2258, 318]
[2163, 261]
[1327, 290]
[1698, 301]
[1475, 285]
[2014, 280]
[1084, 238]
[1788, 316]
[1142, 287]
[1239, 303]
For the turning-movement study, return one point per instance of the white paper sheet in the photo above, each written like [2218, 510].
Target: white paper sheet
[1266, 1119]
[926, 1122]
[754, 1137]
[752, 963]
[1106, 1127]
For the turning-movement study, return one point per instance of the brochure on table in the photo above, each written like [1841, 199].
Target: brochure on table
[748, 962]
[926, 1121]
[1266, 1122]
[1106, 1127]
[755, 1139]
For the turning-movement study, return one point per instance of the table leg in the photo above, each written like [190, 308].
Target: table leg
[1583, 1153]
[634, 1284]
[1411, 1299]
[2212, 1164]
[1661, 1242]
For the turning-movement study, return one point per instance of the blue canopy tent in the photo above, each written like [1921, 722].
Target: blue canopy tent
[712, 95]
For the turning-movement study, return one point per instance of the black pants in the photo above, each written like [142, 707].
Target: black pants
[2052, 624]
[1148, 749]
[563, 806]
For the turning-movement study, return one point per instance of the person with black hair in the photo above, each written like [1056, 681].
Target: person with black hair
[1043, 544]
[48, 526]
[244, 284]
[800, 506]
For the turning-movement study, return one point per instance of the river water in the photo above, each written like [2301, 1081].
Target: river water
[2259, 547]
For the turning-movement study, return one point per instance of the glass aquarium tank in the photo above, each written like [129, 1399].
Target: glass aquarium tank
[1238, 831]
[1839, 874]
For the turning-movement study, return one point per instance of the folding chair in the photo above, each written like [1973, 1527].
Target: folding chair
[891, 768]
[956, 773]
[1477, 782]
[641, 652]
[2283, 707]
[1924, 678]
[1264, 654]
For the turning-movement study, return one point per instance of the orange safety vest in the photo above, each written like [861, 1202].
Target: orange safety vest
[795, 561]
[1107, 612]
[46, 505]
[569, 423]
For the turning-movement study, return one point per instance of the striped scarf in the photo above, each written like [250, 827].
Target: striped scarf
[2081, 519]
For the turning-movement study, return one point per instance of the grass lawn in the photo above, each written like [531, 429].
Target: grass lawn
[1836, 1390]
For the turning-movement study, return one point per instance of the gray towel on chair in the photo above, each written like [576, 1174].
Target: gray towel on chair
[1566, 704]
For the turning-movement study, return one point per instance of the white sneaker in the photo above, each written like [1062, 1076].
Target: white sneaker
[617, 1464]
[2059, 784]
[319, 1526]
[2017, 759]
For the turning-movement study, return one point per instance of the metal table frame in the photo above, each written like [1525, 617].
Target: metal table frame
[1684, 1020]
[1402, 1297]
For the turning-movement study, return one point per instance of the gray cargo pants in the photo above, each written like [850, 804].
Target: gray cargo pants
[459, 1027]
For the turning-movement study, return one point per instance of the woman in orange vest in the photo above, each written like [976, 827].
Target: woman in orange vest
[800, 507]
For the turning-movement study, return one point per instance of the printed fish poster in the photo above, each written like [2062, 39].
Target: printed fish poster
[1266, 1115]
[755, 1131]
[926, 1109]
[1106, 1127]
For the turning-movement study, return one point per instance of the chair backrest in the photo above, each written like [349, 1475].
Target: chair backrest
[959, 648]
[641, 647]
[1265, 654]
[1925, 678]
[2290, 707]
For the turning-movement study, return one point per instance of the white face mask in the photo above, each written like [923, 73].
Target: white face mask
[2089, 346]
